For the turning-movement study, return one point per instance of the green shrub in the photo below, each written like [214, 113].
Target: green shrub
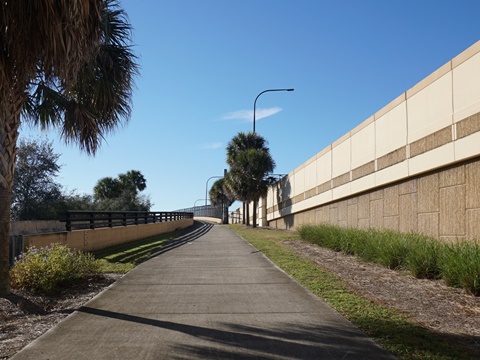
[368, 249]
[45, 270]
[460, 266]
[391, 248]
[336, 238]
[423, 258]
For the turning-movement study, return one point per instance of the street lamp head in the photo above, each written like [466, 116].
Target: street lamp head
[255, 102]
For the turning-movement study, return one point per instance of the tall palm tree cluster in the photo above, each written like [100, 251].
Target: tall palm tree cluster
[64, 64]
[250, 163]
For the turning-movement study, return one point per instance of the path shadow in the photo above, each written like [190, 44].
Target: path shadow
[188, 235]
[285, 340]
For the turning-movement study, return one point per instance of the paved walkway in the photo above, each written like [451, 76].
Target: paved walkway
[210, 296]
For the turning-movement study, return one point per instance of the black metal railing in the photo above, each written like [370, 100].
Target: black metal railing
[215, 211]
[79, 220]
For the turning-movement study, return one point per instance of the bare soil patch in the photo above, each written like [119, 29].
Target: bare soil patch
[25, 316]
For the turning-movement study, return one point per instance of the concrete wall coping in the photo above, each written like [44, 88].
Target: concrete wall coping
[390, 106]
[465, 55]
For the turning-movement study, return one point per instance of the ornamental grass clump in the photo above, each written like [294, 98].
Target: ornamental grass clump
[332, 237]
[391, 248]
[460, 266]
[46, 270]
[424, 254]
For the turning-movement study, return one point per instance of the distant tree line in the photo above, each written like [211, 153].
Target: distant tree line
[36, 194]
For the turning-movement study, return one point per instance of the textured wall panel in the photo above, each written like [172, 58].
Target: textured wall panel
[408, 213]
[452, 211]
[428, 224]
[428, 194]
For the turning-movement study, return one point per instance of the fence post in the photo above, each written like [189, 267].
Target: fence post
[92, 220]
[68, 223]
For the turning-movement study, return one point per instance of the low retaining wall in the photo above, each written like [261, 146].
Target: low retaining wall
[35, 227]
[91, 240]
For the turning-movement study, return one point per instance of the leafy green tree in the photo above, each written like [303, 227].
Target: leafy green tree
[250, 163]
[35, 192]
[75, 201]
[133, 181]
[107, 188]
[64, 64]
[121, 193]
[124, 202]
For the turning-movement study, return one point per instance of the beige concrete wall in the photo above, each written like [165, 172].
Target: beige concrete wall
[90, 240]
[371, 176]
[444, 204]
[35, 227]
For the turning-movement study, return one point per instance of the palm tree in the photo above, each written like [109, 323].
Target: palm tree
[221, 194]
[239, 143]
[243, 141]
[250, 163]
[65, 64]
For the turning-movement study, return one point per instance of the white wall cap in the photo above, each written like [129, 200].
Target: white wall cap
[467, 54]
[392, 105]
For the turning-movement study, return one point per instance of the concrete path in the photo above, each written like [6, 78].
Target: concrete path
[210, 296]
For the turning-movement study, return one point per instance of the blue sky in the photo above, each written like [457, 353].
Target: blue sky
[204, 62]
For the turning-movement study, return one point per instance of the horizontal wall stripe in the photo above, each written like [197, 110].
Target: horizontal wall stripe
[363, 170]
[464, 128]
[468, 126]
[432, 141]
[392, 158]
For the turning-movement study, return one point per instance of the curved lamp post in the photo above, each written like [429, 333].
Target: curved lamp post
[213, 177]
[255, 102]
[195, 203]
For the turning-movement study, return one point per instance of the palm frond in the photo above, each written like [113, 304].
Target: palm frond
[56, 35]
[100, 100]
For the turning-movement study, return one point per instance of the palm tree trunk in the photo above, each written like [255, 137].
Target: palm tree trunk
[4, 241]
[9, 124]
[254, 224]
[243, 214]
[247, 205]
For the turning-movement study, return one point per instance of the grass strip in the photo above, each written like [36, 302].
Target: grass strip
[390, 329]
[123, 258]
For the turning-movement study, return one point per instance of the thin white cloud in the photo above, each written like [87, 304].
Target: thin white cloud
[239, 115]
[214, 145]
[247, 115]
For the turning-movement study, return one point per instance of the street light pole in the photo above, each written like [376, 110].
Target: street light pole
[255, 102]
[213, 177]
[195, 203]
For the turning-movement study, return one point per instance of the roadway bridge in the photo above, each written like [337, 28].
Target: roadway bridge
[219, 212]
